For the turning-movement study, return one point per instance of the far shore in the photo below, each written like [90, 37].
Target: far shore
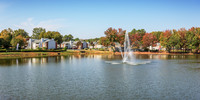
[76, 52]
[162, 53]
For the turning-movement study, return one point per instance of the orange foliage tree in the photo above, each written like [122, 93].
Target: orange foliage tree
[114, 35]
[165, 39]
[149, 40]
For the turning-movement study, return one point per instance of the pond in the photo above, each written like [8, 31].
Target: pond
[85, 77]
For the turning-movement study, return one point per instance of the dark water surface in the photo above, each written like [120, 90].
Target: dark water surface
[86, 77]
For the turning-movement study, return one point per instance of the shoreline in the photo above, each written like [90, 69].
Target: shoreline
[77, 52]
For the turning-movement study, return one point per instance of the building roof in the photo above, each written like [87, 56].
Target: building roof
[36, 41]
[65, 43]
[39, 40]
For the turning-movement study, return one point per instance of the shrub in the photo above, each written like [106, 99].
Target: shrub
[65, 48]
[44, 48]
[2, 50]
[101, 49]
[38, 48]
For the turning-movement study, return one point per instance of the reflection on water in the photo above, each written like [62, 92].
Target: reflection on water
[58, 59]
[45, 60]
[85, 77]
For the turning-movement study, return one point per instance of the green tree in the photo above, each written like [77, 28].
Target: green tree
[192, 39]
[134, 31]
[18, 39]
[174, 40]
[68, 37]
[1, 42]
[58, 37]
[76, 39]
[53, 35]
[21, 32]
[140, 32]
[38, 33]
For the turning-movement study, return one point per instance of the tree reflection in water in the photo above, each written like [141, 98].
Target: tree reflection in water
[58, 59]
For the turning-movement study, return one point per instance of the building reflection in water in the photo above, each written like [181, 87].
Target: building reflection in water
[31, 61]
[75, 58]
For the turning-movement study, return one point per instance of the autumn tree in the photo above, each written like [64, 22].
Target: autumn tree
[135, 40]
[121, 36]
[157, 35]
[104, 41]
[165, 38]
[5, 37]
[149, 40]
[19, 36]
[111, 35]
[136, 37]
[182, 35]
[114, 35]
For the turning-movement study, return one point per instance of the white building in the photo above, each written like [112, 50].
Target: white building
[41, 43]
[157, 47]
[99, 46]
[67, 44]
[73, 45]
[84, 45]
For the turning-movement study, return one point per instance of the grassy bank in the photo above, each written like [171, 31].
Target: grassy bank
[72, 52]
[163, 53]
[41, 54]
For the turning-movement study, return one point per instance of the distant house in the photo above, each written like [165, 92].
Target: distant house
[68, 45]
[92, 45]
[73, 45]
[157, 46]
[98, 46]
[41, 43]
[84, 45]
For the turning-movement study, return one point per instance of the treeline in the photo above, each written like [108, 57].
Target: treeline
[10, 38]
[181, 40]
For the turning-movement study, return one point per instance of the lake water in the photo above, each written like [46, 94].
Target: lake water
[86, 77]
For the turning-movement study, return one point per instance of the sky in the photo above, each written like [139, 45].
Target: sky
[90, 18]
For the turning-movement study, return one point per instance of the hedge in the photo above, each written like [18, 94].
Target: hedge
[29, 50]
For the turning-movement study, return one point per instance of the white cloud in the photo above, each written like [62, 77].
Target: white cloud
[49, 25]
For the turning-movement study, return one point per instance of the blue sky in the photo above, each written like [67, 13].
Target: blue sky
[90, 18]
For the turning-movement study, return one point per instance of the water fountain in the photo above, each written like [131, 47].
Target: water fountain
[127, 54]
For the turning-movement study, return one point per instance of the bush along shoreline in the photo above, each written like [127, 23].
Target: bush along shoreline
[29, 50]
